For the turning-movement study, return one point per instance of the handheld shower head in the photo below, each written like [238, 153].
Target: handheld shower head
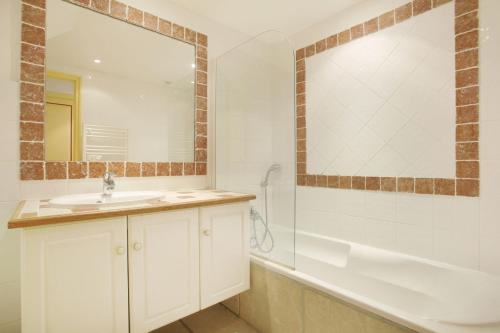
[273, 167]
[267, 237]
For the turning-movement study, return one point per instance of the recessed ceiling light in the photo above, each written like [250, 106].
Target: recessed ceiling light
[193, 65]
[192, 82]
[97, 61]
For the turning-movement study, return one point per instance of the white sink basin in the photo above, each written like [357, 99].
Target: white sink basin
[96, 200]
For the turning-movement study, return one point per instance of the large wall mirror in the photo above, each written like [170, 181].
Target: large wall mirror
[115, 91]
[120, 87]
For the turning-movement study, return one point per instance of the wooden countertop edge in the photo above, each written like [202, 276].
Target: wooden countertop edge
[15, 222]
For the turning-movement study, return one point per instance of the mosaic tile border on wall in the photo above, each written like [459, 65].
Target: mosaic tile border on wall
[466, 181]
[32, 96]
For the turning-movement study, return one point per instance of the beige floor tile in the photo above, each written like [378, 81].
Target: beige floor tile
[175, 327]
[217, 319]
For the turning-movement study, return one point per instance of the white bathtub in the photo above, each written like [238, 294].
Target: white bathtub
[421, 294]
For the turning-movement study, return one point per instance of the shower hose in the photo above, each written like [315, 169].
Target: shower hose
[255, 241]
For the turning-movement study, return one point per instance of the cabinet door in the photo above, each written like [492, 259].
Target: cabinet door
[224, 252]
[74, 278]
[163, 268]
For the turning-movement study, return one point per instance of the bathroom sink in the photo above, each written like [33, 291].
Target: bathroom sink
[97, 200]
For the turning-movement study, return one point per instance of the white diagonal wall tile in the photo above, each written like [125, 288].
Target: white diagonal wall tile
[384, 104]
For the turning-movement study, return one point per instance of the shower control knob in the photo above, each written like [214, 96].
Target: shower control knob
[207, 232]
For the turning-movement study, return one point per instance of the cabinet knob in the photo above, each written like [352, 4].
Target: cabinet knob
[137, 246]
[120, 250]
[207, 232]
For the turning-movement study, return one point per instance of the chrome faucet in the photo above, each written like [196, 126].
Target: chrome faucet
[108, 184]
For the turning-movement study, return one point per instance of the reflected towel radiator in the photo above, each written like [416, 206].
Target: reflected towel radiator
[103, 143]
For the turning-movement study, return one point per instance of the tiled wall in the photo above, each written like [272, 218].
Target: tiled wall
[276, 303]
[458, 230]
[443, 228]
[384, 104]
[33, 40]
[375, 102]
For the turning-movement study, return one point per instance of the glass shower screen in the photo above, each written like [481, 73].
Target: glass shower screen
[255, 138]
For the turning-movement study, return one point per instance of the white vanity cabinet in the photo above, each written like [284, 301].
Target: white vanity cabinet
[74, 278]
[224, 252]
[149, 270]
[163, 268]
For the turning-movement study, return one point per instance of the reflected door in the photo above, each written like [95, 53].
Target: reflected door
[58, 127]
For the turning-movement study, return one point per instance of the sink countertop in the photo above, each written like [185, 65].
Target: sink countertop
[32, 213]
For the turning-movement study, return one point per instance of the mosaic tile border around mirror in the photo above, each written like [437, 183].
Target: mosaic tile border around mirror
[32, 96]
[466, 181]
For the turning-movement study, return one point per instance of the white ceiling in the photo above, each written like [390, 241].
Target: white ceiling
[256, 16]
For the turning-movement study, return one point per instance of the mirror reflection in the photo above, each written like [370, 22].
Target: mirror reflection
[115, 91]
